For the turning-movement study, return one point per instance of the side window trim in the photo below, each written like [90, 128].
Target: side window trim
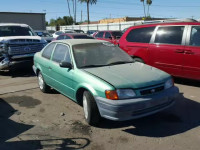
[142, 28]
[51, 52]
[65, 55]
[189, 35]
[152, 41]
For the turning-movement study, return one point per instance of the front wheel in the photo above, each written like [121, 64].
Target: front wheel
[42, 85]
[138, 60]
[91, 112]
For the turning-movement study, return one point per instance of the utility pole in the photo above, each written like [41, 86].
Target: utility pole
[81, 16]
[75, 12]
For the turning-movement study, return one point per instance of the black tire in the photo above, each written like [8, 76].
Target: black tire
[93, 117]
[138, 60]
[43, 87]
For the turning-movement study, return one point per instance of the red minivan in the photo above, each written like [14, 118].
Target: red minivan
[110, 36]
[172, 47]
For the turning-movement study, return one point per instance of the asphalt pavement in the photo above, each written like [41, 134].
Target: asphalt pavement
[30, 119]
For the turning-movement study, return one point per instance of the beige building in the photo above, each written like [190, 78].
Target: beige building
[124, 19]
[35, 20]
[117, 20]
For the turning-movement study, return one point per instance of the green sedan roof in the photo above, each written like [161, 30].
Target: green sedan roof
[79, 41]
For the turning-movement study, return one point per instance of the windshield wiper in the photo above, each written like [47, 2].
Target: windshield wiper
[120, 62]
[91, 66]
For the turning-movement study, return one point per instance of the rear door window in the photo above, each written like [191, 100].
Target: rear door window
[107, 35]
[67, 37]
[99, 35]
[61, 37]
[140, 35]
[169, 35]
[61, 53]
[48, 51]
[195, 36]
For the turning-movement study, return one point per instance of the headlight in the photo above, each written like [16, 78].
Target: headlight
[120, 94]
[2, 47]
[125, 93]
[169, 83]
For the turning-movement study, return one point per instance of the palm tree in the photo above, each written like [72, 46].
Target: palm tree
[88, 3]
[69, 8]
[149, 2]
[74, 10]
[144, 7]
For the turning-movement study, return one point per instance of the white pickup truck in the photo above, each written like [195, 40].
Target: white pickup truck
[18, 44]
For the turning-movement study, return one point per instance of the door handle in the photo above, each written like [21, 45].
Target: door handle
[49, 68]
[189, 52]
[179, 51]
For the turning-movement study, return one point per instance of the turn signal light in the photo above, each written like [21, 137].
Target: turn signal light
[111, 95]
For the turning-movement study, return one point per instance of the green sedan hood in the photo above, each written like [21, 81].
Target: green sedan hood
[131, 75]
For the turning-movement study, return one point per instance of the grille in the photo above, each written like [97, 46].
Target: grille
[24, 48]
[152, 90]
[24, 40]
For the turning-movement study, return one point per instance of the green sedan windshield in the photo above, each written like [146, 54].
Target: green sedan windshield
[99, 54]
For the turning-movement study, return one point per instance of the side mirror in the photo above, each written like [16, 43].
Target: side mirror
[65, 64]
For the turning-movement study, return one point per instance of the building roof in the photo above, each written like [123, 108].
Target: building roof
[22, 13]
[13, 24]
[92, 22]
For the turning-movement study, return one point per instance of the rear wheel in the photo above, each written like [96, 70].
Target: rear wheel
[42, 85]
[91, 112]
[138, 60]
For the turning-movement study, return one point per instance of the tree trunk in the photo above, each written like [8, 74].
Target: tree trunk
[88, 13]
[69, 8]
[74, 11]
[144, 10]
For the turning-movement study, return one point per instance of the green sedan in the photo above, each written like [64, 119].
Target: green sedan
[103, 79]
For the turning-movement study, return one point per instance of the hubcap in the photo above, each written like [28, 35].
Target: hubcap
[85, 107]
[40, 81]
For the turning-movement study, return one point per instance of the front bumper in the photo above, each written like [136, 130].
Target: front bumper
[121, 110]
[7, 63]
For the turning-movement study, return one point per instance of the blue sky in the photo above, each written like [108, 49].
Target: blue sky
[106, 8]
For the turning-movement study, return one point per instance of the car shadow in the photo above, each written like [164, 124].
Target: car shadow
[54, 143]
[188, 82]
[183, 116]
[10, 129]
[21, 71]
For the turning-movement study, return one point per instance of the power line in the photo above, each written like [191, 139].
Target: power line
[126, 3]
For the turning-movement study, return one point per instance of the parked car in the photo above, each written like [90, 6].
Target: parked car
[18, 44]
[57, 33]
[79, 31]
[104, 79]
[44, 35]
[172, 47]
[73, 31]
[73, 36]
[51, 31]
[110, 36]
[69, 31]
[91, 32]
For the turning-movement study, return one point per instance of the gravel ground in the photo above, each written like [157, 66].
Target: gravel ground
[30, 119]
